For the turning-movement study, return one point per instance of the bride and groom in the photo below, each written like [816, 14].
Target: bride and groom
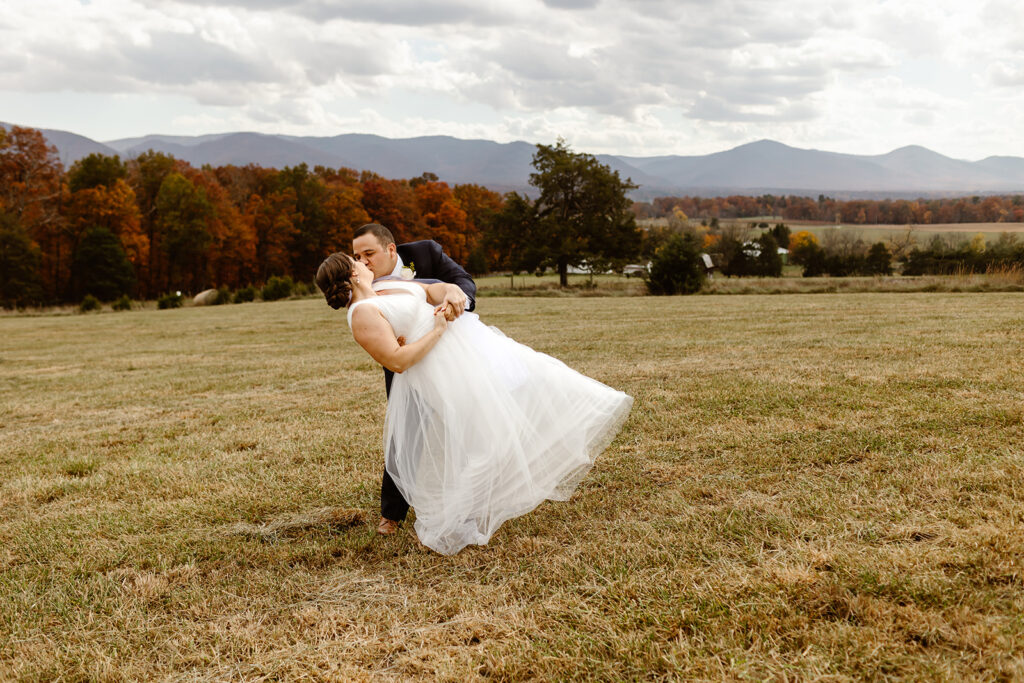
[479, 428]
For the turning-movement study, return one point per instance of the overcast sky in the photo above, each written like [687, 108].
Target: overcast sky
[634, 77]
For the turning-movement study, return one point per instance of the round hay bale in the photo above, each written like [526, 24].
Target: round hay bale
[207, 297]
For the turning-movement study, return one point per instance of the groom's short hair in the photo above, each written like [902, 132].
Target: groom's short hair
[382, 234]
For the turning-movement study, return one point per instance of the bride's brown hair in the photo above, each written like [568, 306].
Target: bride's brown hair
[332, 277]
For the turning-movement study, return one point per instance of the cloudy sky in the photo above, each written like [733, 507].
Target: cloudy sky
[635, 77]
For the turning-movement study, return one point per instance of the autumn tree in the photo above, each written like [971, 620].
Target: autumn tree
[583, 211]
[231, 255]
[324, 216]
[800, 244]
[344, 207]
[30, 193]
[392, 203]
[482, 206]
[111, 205]
[444, 219]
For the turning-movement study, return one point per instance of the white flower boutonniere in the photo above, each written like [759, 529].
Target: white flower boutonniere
[408, 272]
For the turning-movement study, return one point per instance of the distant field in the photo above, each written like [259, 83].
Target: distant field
[923, 233]
[809, 487]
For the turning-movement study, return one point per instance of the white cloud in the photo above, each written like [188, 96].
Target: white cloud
[626, 76]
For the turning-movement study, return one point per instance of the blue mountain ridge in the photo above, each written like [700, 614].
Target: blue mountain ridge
[764, 166]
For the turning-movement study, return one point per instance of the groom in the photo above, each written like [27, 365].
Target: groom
[374, 245]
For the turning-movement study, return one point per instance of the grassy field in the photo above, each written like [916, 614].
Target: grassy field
[952, 232]
[922, 234]
[808, 487]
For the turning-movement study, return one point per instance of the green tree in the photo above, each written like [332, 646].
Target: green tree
[184, 213]
[21, 283]
[768, 262]
[812, 257]
[100, 267]
[147, 173]
[677, 266]
[583, 212]
[781, 233]
[879, 261]
[96, 170]
[512, 240]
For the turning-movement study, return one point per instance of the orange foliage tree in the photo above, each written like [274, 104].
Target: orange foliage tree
[31, 179]
[444, 220]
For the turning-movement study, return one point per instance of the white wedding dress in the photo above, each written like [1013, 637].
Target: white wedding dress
[483, 428]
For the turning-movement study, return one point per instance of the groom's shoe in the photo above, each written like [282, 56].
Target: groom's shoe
[387, 527]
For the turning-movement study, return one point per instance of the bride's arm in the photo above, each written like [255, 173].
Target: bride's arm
[375, 335]
[444, 294]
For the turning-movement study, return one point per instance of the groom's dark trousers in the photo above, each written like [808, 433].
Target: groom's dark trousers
[430, 263]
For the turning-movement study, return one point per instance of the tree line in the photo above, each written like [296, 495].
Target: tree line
[975, 209]
[679, 248]
[145, 227]
[110, 228]
[154, 223]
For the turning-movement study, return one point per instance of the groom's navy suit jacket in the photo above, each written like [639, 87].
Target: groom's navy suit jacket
[429, 263]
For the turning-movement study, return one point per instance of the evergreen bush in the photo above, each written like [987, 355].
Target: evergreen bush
[169, 300]
[89, 303]
[247, 293]
[677, 267]
[277, 288]
[123, 304]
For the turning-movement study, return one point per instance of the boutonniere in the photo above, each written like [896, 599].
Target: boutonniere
[408, 272]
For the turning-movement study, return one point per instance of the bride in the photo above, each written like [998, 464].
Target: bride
[479, 428]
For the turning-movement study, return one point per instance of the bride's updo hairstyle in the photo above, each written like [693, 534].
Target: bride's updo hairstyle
[332, 277]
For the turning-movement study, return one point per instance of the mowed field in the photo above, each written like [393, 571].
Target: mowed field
[809, 486]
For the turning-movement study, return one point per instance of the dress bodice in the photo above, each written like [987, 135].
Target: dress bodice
[408, 312]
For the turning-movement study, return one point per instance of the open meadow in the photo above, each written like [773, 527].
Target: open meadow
[953, 233]
[809, 486]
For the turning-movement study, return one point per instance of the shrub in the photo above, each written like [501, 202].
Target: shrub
[89, 303]
[169, 300]
[123, 304]
[677, 267]
[247, 293]
[277, 288]
[301, 288]
[223, 296]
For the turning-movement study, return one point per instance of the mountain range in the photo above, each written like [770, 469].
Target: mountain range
[756, 168]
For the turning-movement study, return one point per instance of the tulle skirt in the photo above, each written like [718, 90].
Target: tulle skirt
[483, 429]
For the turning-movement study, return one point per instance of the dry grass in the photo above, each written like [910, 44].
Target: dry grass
[808, 487]
[1002, 279]
[547, 285]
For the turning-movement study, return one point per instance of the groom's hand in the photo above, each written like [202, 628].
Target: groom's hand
[454, 302]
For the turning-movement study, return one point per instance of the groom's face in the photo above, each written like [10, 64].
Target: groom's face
[378, 258]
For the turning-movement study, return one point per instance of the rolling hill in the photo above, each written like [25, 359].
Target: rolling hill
[758, 167]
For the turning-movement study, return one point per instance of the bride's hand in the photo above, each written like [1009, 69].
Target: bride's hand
[440, 321]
